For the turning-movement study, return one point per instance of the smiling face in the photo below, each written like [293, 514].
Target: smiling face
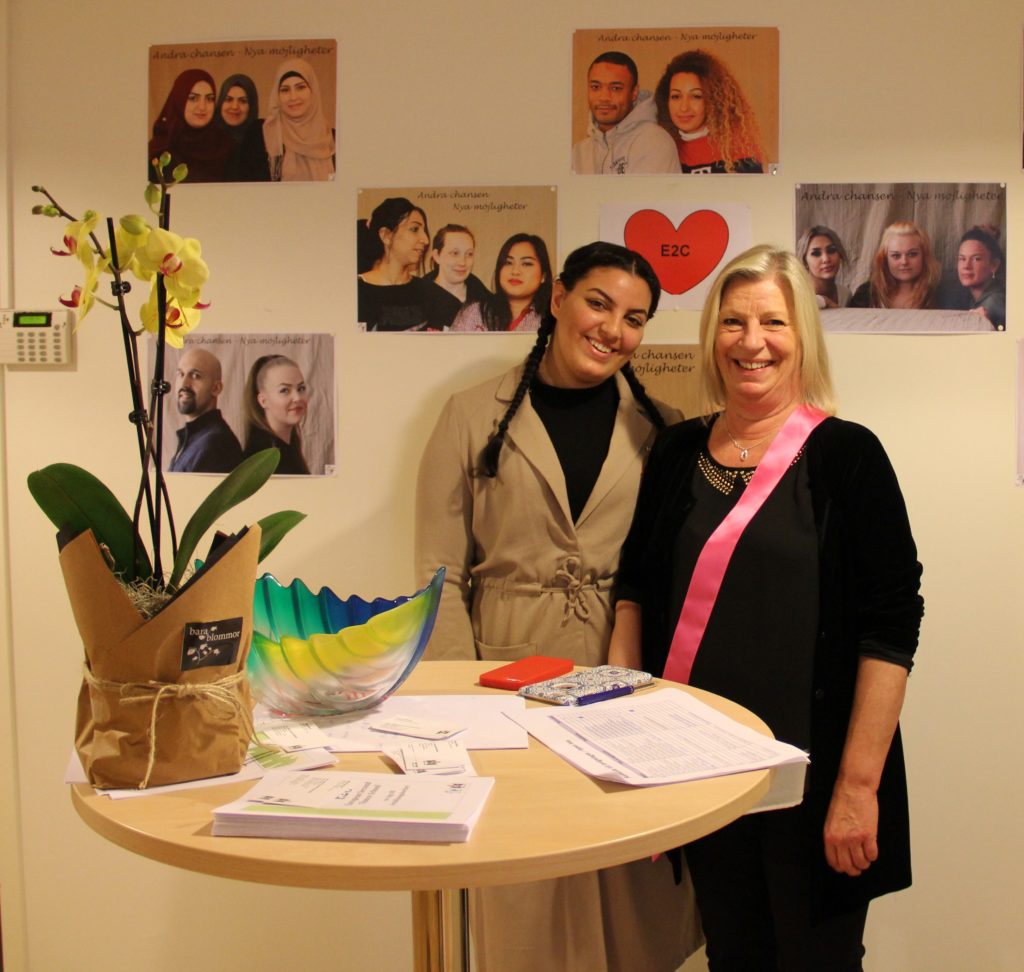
[823, 258]
[455, 258]
[520, 276]
[975, 265]
[686, 105]
[199, 105]
[295, 95]
[234, 109]
[408, 241]
[599, 324]
[905, 257]
[757, 349]
[611, 94]
[284, 398]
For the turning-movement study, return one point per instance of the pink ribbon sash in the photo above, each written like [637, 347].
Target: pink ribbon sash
[714, 558]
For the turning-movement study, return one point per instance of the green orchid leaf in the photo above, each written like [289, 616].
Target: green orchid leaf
[275, 527]
[74, 498]
[244, 480]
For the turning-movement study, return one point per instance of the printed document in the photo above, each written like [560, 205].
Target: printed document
[656, 737]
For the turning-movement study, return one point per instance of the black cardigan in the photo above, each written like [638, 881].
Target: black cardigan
[869, 579]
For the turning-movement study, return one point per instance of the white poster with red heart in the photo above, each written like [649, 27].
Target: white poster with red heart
[685, 244]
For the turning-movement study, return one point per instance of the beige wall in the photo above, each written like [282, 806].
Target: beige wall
[449, 94]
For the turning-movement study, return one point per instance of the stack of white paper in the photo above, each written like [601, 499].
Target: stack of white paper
[665, 736]
[356, 806]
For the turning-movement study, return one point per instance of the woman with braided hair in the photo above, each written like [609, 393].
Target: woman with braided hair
[525, 494]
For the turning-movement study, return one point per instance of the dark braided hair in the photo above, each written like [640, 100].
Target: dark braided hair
[491, 451]
[640, 394]
[577, 265]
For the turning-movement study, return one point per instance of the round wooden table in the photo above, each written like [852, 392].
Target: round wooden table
[575, 823]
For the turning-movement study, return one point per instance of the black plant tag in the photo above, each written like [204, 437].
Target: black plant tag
[208, 643]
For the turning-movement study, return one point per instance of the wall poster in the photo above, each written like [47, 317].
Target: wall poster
[235, 394]
[906, 258]
[671, 374]
[245, 111]
[465, 260]
[675, 100]
[685, 243]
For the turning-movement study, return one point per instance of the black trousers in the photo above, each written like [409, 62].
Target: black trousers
[753, 887]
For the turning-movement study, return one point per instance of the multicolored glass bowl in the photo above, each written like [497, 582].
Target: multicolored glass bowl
[315, 654]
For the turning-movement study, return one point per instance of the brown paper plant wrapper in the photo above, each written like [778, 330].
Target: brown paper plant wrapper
[164, 700]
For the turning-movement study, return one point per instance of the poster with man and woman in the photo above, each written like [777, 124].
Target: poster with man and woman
[244, 111]
[233, 395]
[462, 260]
[675, 100]
[913, 257]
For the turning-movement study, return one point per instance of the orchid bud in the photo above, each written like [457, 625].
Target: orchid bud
[154, 195]
[45, 210]
[165, 159]
[180, 172]
[135, 225]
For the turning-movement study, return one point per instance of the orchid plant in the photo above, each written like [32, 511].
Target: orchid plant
[174, 268]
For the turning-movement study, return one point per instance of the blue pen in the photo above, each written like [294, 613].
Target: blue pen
[612, 693]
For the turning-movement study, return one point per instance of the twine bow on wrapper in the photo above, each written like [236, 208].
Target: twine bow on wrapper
[149, 713]
[223, 693]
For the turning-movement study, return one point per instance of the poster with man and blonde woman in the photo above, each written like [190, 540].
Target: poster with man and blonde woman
[233, 395]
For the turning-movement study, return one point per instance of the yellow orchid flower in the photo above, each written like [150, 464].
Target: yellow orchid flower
[179, 260]
[130, 236]
[82, 298]
[148, 253]
[76, 239]
[180, 320]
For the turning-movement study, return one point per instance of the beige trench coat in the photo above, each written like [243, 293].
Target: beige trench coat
[523, 579]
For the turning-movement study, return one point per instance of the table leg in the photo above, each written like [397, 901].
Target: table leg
[438, 931]
[464, 925]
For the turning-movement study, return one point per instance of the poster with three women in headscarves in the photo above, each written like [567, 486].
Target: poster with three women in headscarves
[244, 111]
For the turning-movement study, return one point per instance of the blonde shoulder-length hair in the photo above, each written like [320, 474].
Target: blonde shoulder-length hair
[766, 262]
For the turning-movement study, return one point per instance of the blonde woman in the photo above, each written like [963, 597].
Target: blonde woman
[821, 250]
[904, 273]
[810, 620]
[276, 403]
